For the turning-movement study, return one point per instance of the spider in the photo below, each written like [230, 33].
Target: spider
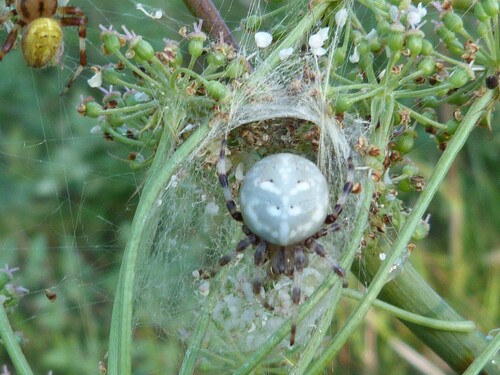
[283, 207]
[41, 40]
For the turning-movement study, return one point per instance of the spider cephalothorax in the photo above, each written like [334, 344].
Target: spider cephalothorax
[41, 41]
[284, 203]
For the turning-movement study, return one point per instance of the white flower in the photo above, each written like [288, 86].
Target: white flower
[317, 40]
[263, 39]
[156, 15]
[95, 80]
[323, 33]
[415, 14]
[285, 53]
[354, 58]
[371, 36]
[341, 17]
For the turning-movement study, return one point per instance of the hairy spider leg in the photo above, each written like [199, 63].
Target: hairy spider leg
[12, 37]
[317, 248]
[299, 263]
[76, 18]
[228, 196]
[339, 206]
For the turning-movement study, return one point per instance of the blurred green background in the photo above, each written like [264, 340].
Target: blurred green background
[67, 198]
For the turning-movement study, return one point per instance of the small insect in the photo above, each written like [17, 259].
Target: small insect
[51, 295]
[284, 201]
[492, 82]
[42, 38]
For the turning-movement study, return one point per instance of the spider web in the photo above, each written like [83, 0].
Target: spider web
[68, 241]
[193, 228]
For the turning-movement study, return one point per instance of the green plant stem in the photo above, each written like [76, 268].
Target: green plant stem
[11, 345]
[444, 325]
[481, 361]
[163, 167]
[459, 352]
[421, 118]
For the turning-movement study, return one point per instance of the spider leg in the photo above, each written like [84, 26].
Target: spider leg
[250, 239]
[299, 263]
[11, 38]
[339, 206]
[259, 258]
[315, 246]
[76, 18]
[228, 196]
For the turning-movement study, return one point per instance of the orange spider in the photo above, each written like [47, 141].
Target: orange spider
[42, 37]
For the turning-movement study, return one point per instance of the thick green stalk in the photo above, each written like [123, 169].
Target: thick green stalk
[162, 169]
[11, 345]
[464, 347]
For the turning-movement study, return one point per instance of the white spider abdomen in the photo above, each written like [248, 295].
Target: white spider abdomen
[284, 199]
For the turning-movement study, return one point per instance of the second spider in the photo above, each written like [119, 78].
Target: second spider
[42, 38]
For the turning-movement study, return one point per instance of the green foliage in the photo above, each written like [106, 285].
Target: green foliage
[67, 206]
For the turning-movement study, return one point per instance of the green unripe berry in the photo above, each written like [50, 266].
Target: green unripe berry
[480, 13]
[458, 78]
[452, 126]
[453, 22]
[143, 51]
[339, 55]
[236, 68]
[421, 231]
[395, 38]
[410, 170]
[216, 58]
[195, 47]
[342, 103]
[483, 29]
[405, 142]
[383, 27]
[110, 42]
[216, 90]
[491, 7]
[115, 120]
[414, 41]
[92, 110]
[427, 66]
[427, 47]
